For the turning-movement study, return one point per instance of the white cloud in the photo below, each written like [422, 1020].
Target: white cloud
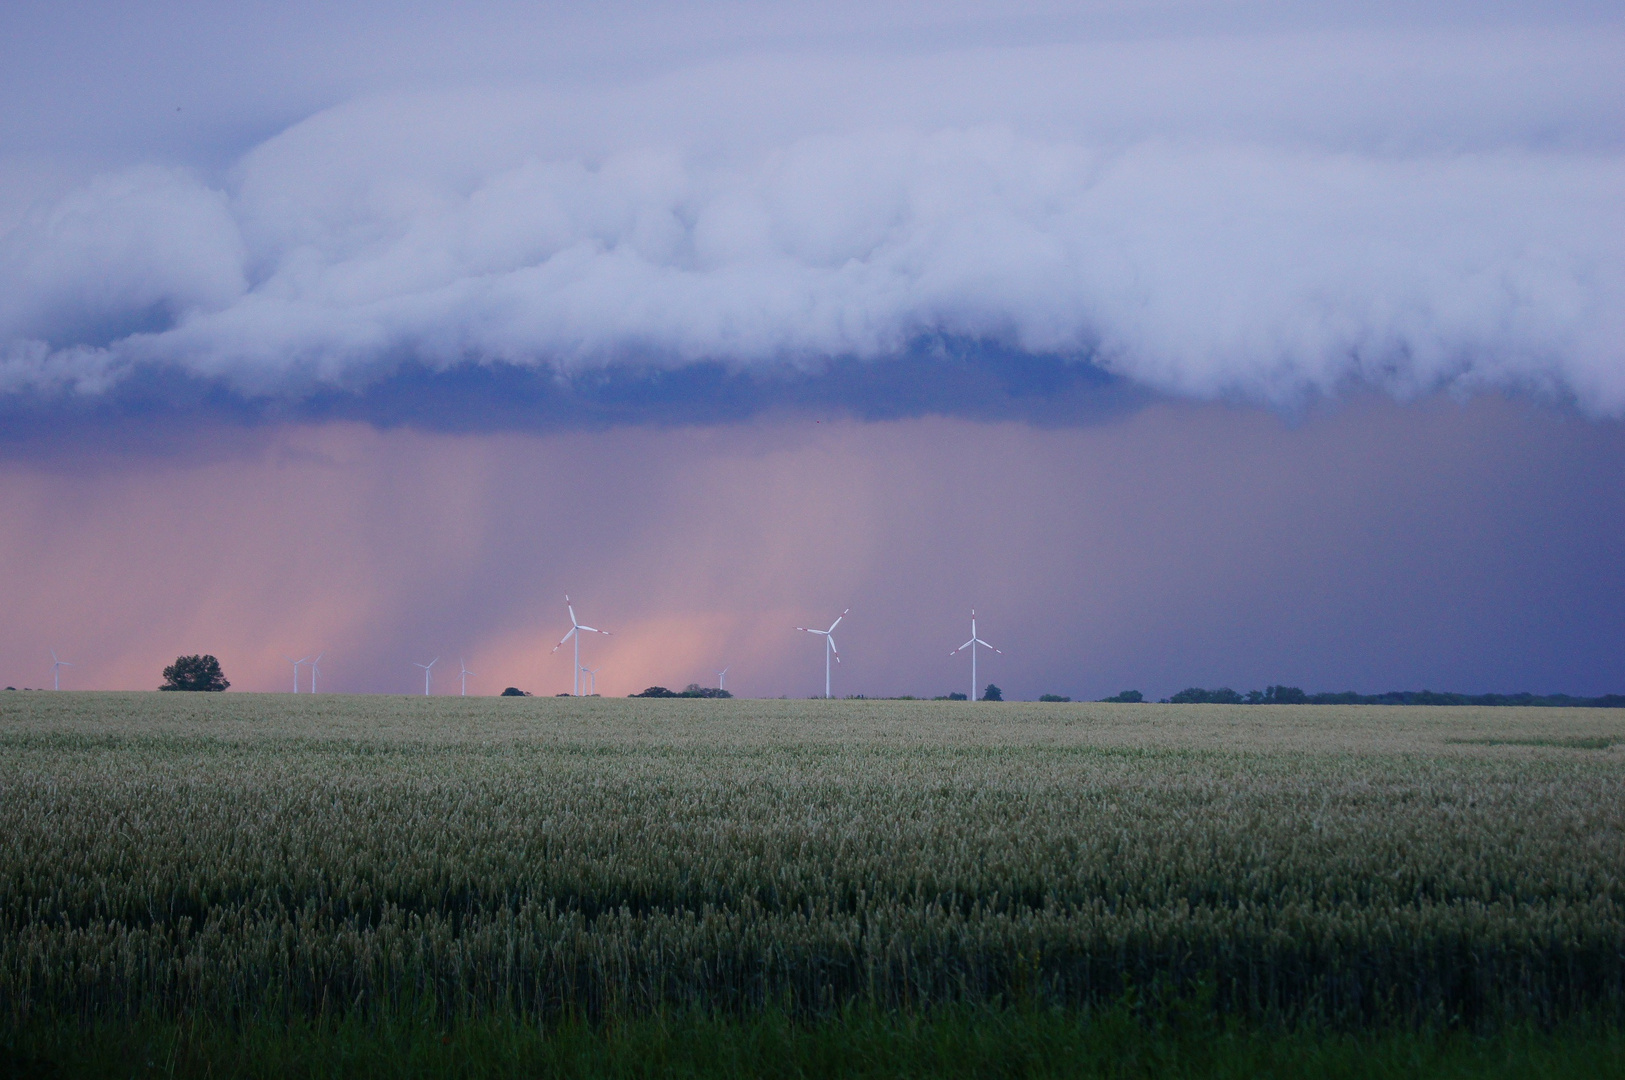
[1264, 216]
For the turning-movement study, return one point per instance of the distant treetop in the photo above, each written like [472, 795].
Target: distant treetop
[194, 673]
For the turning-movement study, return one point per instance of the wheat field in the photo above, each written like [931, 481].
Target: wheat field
[272, 856]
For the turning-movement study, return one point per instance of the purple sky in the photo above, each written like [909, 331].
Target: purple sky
[1189, 343]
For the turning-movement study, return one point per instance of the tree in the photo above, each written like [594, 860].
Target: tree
[655, 691]
[194, 673]
[1284, 695]
[694, 689]
[1127, 697]
[992, 693]
[514, 691]
[1055, 697]
[1195, 695]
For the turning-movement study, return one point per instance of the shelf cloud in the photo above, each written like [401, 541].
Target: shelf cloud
[1269, 216]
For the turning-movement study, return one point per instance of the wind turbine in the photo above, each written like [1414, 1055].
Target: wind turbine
[315, 671]
[575, 632]
[722, 678]
[295, 664]
[426, 670]
[971, 645]
[465, 673]
[592, 675]
[56, 670]
[829, 643]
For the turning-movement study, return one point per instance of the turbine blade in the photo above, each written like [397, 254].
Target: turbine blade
[985, 645]
[832, 647]
[967, 645]
[564, 639]
[837, 622]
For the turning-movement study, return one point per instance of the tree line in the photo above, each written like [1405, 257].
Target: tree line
[1292, 695]
[691, 690]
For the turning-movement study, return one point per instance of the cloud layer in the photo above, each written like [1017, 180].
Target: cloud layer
[1270, 216]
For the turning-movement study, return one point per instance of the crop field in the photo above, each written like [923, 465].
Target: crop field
[256, 856]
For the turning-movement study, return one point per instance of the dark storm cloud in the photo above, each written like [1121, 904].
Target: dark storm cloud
[1271, 205]
[934, 378]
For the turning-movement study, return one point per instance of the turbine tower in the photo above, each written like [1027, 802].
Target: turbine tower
[575, 632]
[295, 664]
[426, 671]
[592, 677]
[56, 670]
[971, 645]
[829, 646]
[722, 678]
[315, 670]
[465, 673]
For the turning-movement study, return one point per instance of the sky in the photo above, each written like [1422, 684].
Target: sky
[1188, 343]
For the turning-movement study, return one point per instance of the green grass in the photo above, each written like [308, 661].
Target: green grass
[949, 1043]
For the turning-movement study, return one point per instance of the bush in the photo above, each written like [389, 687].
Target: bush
[194, 673]
[952, 697]
[992, 693]
[1129, 697]
[655, 691]
[514, 691]
[1056, 697]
